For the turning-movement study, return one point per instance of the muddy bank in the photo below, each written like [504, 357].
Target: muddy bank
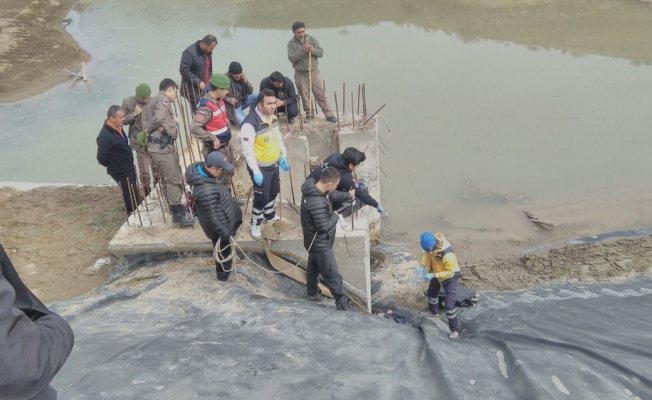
[34, 47]
[54, 234]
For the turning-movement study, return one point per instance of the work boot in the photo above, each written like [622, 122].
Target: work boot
[309, 118]
[318, 298]
[180, 216]
[332, 119]
[255, 231]
[454, 335]
[291, 121]
[230, 279]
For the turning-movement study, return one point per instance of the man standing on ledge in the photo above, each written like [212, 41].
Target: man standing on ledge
[299, 49]
[264, 151]
[133, 107]
[319, 224]
[196, 69]
[114, 153]
[162, 131]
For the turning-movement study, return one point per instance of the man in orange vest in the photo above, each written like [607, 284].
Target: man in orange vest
[211, 126]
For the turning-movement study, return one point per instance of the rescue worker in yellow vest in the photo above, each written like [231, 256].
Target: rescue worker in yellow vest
[264, 151]
[439, 266]
[211, 126]
[162, 130]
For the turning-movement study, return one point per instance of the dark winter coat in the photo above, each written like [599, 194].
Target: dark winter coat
[113, 151]
[212, 202]
[287, 93]
[192, 69]
[347, 182]
[317, 216]
[34, 342]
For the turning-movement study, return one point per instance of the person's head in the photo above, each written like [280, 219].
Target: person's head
[219, 86]
[277, 79]
[216, 163]
[169, 88]
[353, 158]
[428, 241]
[299, 29]
[115, 116]
[235, 70]
[329, 179]
[207, 44]
[267, 102]
[143, 92]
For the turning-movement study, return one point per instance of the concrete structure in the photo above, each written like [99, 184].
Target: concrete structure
[317, 140]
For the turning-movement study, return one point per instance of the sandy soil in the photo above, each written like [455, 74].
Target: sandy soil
[52, 235]
[34, 47]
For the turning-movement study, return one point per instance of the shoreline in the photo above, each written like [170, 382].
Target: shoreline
[29, 57]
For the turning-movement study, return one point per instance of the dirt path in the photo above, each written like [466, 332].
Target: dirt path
[34, 47]
[53, 234]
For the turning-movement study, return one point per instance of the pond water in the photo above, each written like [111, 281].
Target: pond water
[542, 102]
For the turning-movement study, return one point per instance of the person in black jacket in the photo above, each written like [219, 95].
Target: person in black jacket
[346, 163]
[196, 68]
[215, 208]
[114, 152]
[34, 342]
[286, 94]
[319, 224]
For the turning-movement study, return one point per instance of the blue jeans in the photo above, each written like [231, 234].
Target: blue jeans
[239, 111]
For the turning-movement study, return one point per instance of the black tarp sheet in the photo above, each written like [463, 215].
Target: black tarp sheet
[179, 334]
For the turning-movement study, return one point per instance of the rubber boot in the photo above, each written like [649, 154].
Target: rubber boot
[180, 216]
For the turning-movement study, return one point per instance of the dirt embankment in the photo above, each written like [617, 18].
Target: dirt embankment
[53, 234]
[34, 47]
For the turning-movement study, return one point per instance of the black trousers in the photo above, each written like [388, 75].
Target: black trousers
[121, 179]
[265, 195]
[223, 270]
[291, 112]
[450, 288]
[324, 263]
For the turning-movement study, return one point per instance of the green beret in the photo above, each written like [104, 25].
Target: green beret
[143, 91]
[141, 137]
[220, 81]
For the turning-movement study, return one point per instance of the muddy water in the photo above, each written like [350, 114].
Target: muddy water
[494, 105]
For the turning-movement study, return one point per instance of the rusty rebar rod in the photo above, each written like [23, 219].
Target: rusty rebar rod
[180, 147]
[125, 203]
[183, 107]
[352, 112]
[134, 201]
[294, 201]
[343, 98]
[247, 204]
[359, 88]
[364, 99]
[337, 111]
[374, 114]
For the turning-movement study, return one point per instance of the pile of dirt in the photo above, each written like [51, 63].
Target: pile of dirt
[34, 47]
[53, 234]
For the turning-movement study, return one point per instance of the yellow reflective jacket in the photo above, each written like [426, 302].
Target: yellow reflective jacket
[442, 262]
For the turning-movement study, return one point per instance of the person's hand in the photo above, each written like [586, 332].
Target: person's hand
[216, 144]
[352, 193]
[243, 76]
[306, 47]
[310, 48]
[420, 270]
[202, 86]
[279, 103]
[284, 164]
[137, 110]
[232, 101]
[380, 209]
[428, 276]
[258, 179]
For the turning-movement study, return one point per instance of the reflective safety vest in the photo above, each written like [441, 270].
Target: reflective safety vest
[219, 122]
[266, 147]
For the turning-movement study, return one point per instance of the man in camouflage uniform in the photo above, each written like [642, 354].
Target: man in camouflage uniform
[133, 107]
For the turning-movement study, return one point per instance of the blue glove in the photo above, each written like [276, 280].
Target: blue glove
[420, 271]
[380, 209]
[258, 179]
[428, 276]
[284, 163]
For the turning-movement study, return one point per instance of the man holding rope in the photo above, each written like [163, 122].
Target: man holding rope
[319, 224]
[217, 214]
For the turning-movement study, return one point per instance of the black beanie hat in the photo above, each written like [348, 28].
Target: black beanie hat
[235, 68]
[298, 25]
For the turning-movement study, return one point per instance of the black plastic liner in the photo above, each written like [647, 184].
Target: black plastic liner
[567, 341]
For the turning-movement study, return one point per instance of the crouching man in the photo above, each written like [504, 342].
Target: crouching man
[439, 266]
[319, 224]
[217, 214]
